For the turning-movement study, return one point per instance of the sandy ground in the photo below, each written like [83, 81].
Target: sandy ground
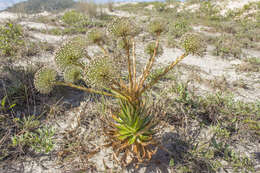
[232, 5]
[38, 26]
[8, 16]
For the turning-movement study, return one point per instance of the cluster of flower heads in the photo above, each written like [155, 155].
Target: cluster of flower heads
[123, 27]
[101, 70]
[193, 44]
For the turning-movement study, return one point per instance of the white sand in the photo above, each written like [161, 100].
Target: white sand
[8, 16]
[232, 5]
[38, 26]
[47, 38]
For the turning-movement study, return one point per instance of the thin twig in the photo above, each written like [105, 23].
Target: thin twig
[90, 90]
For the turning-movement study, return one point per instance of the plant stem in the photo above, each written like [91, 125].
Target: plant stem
[149, 65]
[166, 70]
[134, 66]
[90, 90]
[129, 64]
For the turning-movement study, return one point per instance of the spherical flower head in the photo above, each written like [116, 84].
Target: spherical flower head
[157, 27]
[123, 27]
[68, 54]
[72, 74]
[193, 44]
[44, 80]
[151, 47]
[100, 72]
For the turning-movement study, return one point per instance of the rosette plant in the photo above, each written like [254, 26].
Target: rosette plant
[131, 127]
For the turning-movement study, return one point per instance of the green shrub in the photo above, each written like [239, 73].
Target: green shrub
[76, 22]
[11, 39]
[73, 17]
[13, 42]
[248, 30]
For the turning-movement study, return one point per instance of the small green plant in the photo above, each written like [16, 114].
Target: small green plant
[133, 126]
[40, 140]
[13, 42]
[4, 106]
[179, 28]
[130, 128]
[23, 134]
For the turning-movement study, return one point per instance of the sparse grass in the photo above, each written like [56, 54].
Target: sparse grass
[250, 65]
[23, 136]
[14, 42]
[18, 86]
[225, 120]
[228, 46]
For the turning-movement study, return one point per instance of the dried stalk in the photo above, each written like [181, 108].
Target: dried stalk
[148, 66]
[166, 70]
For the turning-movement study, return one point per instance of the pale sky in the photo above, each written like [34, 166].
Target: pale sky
[6, 3]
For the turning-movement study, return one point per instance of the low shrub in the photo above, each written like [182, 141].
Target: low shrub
[13, 42]
[73, 17]
[76, 22]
